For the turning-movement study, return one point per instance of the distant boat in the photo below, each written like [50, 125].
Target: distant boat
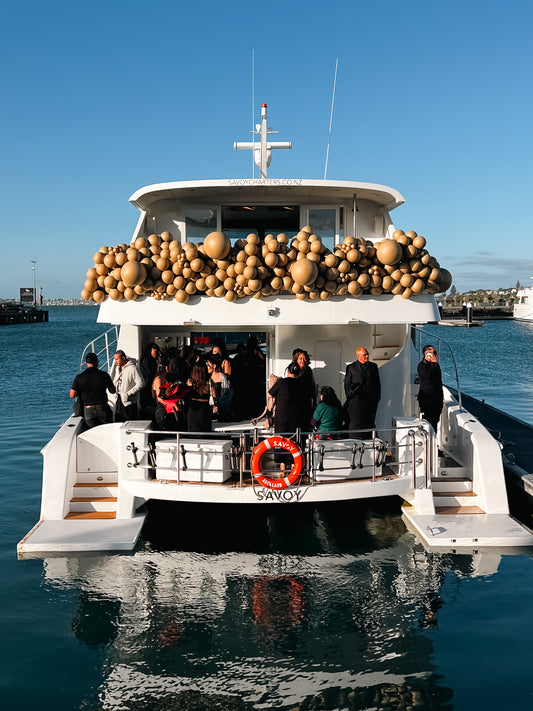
[523, 309]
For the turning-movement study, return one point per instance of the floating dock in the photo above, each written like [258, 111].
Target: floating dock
[17, 313]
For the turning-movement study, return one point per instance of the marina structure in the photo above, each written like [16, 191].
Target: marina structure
[315, 264]
[12, 312]
[523, 309]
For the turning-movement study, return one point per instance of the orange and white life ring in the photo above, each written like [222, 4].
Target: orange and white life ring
[276, 443]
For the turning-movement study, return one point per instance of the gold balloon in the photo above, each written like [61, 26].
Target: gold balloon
[133, 273]
[304, 272]
[389, 252]
[181, 296]
[217, 245]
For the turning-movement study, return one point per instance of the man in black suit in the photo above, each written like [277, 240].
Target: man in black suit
[363, 391]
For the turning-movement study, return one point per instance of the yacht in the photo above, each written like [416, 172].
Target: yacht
[523, 309]
[286, 263]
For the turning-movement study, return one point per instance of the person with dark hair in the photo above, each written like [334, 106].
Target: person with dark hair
[307, 378]
[289, 401]
[363, 392]
[220, 387]
[91, 388]
[430, 396]
[128, 382]
[328, 416]
[198, 409]
[169, 390]
[188, 358]
[219, 349]
[148, 369]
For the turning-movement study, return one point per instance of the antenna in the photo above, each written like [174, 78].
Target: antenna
[253, 112]
[331, 118]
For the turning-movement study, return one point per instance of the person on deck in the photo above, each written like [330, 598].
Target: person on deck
[91, 387]
[307, 379]
[197, 401]
[289, 396]
[430, 396]
[328, 417]
[128, 382]
[362, 387]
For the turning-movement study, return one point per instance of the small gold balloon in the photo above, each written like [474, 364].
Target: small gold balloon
[364, 280]
[181, 296]
[130, 294]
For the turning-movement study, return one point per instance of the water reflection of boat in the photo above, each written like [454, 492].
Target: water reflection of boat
[96, 482]
[259, 630]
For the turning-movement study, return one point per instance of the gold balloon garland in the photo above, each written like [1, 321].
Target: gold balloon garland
[163, 268]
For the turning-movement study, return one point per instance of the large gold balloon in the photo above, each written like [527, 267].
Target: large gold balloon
[133, 273]
[389, 251]
[217, 245]
[304, 272]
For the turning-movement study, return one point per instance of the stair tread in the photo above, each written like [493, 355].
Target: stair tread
[436, 479]
[94, 498]
[94, 484]
[458, 510]
[454, 493]
[90, 514]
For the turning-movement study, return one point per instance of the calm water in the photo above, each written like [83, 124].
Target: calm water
[332, 609]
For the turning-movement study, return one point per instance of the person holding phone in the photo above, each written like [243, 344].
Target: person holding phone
[430, 397]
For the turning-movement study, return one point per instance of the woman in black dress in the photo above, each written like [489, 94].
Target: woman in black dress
[307, 379]
[289, 397]
[199, 411]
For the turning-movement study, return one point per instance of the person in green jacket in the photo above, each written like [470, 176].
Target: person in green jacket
[328, 416]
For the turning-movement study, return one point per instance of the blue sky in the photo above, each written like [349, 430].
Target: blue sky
[102, 98]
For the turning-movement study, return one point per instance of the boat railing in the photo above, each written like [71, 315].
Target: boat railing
[447, 362]
[404, 451]
[104, 346]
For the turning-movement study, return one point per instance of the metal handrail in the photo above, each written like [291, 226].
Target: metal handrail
[105, 343]
[241, 451]
[442, 346]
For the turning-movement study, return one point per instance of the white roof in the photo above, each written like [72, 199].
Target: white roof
[258, 190]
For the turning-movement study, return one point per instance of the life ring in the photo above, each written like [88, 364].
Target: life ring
[276, 443]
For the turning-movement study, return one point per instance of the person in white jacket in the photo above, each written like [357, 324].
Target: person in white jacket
[128, 382]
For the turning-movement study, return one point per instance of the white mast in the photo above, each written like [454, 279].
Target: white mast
[263, 150]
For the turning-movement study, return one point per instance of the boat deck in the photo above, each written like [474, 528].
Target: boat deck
[386, 475]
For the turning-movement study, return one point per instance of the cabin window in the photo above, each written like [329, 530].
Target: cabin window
[238, 221]
[327, 223]
[199, 222]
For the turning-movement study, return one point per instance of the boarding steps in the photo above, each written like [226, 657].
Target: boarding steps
[458, 523]
[94, 496]
[452, 489]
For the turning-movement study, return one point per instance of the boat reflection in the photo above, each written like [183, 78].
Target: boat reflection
[346, 624]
